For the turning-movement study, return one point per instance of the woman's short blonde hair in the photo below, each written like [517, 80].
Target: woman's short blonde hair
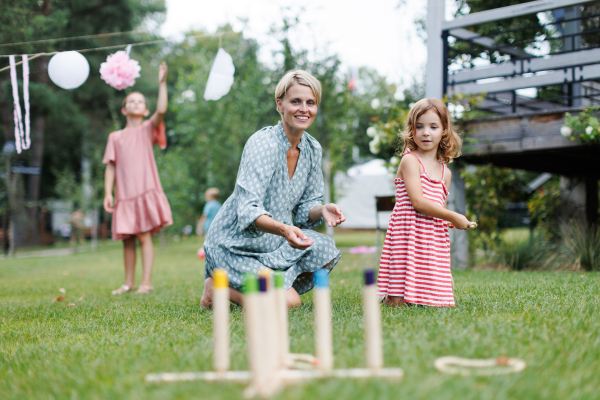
[451, 143]
[299, 77]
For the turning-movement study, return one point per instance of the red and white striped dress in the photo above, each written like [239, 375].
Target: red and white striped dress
[415, 262]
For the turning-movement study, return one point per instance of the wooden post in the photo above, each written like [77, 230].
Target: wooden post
[435, 49]
[323, 333]
[372, 315]
[253, 334]
[282, 319]
[269, 321]
[327, 184]
[220, 321]
[458, 239]
[268, 381]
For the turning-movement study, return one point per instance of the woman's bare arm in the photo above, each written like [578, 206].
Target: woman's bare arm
[294, 235]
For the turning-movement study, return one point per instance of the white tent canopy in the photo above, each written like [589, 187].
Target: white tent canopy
[356, 190]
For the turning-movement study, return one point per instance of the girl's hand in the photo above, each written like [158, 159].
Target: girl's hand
[332, 214]
[162, 72]
[108, 203]
[461, 222]
[296, 238]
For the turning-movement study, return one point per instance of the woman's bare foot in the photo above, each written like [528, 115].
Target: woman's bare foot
[207, 294]
[293, 298]
[235, 296]
[394, 301]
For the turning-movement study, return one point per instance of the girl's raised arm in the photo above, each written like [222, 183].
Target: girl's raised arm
[411, 174]
[162, 103]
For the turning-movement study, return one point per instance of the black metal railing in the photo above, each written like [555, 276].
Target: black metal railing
[566, 72]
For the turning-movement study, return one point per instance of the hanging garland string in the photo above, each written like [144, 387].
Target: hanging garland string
[120, 46]
[99, 35]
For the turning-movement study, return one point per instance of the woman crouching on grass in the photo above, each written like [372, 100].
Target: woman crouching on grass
[280, 174]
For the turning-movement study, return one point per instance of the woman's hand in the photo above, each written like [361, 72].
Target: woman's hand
[461, 222]
[108, 203]
[296, 238]
[332, 214]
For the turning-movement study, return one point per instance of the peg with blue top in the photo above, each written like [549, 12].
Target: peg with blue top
[323, 325]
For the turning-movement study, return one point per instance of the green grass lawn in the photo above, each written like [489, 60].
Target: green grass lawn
[103, 346]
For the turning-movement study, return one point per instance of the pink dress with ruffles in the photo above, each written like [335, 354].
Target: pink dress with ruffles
[140, 203]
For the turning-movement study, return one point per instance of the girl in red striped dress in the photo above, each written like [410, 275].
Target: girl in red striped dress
[415, 262]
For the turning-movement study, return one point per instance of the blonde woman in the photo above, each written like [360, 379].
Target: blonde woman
[278, 199]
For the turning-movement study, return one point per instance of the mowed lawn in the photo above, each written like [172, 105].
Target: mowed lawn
[102, 346]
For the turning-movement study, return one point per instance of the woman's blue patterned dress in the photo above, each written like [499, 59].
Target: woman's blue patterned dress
[263, 187]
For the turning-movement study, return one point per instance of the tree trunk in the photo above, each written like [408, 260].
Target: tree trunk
[37, 145]
[4, 106]
[8, 136]
[327, 179]
[37, 153]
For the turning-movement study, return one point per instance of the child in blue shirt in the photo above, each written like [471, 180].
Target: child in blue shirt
[211, 208]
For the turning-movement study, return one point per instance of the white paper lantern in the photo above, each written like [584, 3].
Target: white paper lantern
[68, 69]
[220, 78]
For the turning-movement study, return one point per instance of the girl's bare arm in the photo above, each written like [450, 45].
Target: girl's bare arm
[411, 173]
[163, 101]
[109, 182]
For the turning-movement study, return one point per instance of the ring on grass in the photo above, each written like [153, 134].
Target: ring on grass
[469, 366]
[301, 361]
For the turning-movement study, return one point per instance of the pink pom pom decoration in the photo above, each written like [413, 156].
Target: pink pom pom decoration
[119, 71]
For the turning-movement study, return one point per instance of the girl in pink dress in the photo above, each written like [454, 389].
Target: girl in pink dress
[415, 262]
[140, 208]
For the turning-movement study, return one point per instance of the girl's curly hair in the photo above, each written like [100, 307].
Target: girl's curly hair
[451, 143]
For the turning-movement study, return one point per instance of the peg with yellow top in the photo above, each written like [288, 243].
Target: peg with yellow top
[220, 320]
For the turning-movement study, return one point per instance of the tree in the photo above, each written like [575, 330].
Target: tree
[206, 138]
[63, 121]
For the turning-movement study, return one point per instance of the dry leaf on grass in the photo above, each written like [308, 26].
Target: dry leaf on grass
[62, 290]
[80, 299]
[71, 305]
[81, 273]
[59, 298]
[65, 272]
[29, 282]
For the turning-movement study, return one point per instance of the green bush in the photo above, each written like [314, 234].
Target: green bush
[544, 208]
[518, 255]
[580, 246]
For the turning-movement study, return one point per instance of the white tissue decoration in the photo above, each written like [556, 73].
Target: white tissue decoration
[220, 78]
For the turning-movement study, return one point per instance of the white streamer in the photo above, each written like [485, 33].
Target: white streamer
[27, 142]
[17, 104]
[22, 136]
